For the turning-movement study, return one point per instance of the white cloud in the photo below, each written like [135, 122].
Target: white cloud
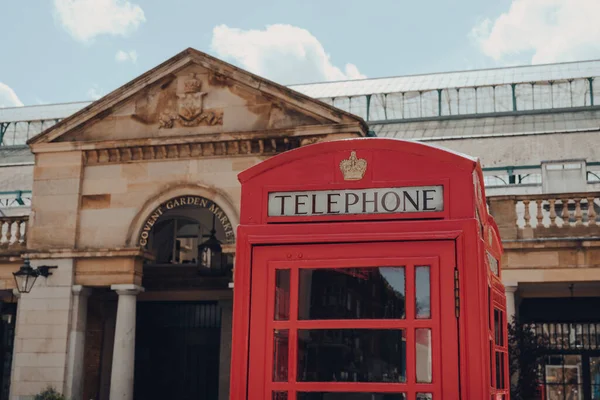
[8, 97]
[283, 53]
[95, 92]
[547, 30]
[85, 19]
[123, 56]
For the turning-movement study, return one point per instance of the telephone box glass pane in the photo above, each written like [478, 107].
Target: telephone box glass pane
[348, 396]
[280, 355]
[280, 396]
[499, 370]
[424, 396]
[349, 355]
[352, 293]
[282, 294]
[423, 355]
[498, 325]
[422, 293]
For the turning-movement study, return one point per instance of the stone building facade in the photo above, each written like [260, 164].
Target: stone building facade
[121, 195]
[110, 185]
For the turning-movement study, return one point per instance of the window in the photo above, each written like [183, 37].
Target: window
[336, 293]
[500, 351]
[563, 376]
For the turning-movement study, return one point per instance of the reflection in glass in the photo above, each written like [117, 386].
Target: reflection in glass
[280, 355]
[351, 355]
[423, 355]
[572, 369]
[352, 293]
[282, 294]
[499, 370]
[498, 324]
[595, 377]
[563, 376]
[422, 293]
[280, 396]
[350, 396]
[424, 396]
[572, 392]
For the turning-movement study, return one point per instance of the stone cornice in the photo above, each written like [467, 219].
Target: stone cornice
[296, 132]
[87, 253]
[551, 243]
[241, 147]
[235, 143]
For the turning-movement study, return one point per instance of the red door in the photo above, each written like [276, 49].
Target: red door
[360, 321]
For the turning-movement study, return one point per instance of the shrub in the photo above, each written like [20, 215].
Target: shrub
[50, 394]
[526, 351]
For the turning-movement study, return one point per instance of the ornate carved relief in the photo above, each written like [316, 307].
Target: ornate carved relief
[189, 110]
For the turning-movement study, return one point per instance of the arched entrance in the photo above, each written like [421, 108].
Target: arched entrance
[187, 235]
[179, 352]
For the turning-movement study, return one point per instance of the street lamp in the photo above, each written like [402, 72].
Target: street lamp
[26, 276]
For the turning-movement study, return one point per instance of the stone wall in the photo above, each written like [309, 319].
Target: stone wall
[42, 331]
[56, 188]
[114, 194]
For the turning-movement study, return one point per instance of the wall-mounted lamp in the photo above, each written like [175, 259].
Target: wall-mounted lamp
[26, 276]
[210, 252]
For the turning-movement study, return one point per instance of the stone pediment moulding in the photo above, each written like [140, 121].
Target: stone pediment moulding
[241, 147]
[185, 107]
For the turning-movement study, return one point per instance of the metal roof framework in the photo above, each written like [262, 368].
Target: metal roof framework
[425, 96]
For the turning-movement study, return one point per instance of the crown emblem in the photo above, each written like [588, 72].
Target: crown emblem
[353, 168]
[192, 84]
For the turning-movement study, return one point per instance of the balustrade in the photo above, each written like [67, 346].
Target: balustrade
[13, 232]
[567, 336]
[547, 215]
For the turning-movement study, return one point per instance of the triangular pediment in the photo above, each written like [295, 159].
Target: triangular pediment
[195, 94]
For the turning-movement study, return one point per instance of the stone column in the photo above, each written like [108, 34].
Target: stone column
[75, 366]
[121, 382]
[510, 290]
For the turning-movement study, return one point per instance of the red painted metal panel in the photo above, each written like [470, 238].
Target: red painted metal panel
[439, 256]
[362, 241]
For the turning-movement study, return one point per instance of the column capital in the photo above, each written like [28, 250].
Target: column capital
[127, 289]
[79, 290]
[511, 288]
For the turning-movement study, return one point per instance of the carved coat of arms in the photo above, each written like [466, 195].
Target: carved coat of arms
[190, 108]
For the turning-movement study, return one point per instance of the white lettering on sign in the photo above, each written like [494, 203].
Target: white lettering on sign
[362, 201]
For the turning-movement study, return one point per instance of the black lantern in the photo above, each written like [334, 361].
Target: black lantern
[210, 252]
[26, 276]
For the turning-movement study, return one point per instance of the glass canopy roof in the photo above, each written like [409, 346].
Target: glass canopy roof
[447, 80]
[40, 112]
[490, 91]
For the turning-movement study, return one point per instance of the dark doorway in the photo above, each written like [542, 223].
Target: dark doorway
[177, 350]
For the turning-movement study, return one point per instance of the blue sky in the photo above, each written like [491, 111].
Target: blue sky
[70, 50]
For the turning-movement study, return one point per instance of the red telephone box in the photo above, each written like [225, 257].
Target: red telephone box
[367, 269]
